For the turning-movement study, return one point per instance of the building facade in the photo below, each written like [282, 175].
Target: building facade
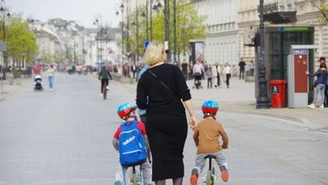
[307, 15]
[221, 40]
[102, 48]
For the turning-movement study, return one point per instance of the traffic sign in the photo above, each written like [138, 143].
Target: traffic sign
[146, 44]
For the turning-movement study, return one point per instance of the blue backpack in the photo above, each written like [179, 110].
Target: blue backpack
[132, 147]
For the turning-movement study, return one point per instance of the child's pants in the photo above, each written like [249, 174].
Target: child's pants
[209, 82]
[146, 173]
[200, 161]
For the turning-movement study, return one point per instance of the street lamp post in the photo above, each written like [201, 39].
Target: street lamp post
[167, 27]
[147, 14]
[262, 101]
[156, 7]
[30, 19]
[83, 52]
[137, 31]
[5, 10]
[151, 19]
[122, 29]
[127, 28]
[98, 19]
[175, 29]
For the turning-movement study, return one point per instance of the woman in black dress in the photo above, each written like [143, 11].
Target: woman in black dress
[166, 123]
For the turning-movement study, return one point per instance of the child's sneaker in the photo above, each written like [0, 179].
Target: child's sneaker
[193, 179]
[117, 183]
[224, 175]
[322, 106]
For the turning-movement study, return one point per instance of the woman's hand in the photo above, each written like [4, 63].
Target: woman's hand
[192, 122]
[306, 72]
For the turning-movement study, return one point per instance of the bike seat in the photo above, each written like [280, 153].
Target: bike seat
[210, 157]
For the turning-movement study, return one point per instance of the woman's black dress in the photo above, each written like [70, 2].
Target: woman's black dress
[166, 122]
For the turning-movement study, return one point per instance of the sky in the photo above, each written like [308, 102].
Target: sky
[82, 11]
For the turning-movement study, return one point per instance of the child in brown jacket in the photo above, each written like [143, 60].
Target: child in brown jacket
[206, 137]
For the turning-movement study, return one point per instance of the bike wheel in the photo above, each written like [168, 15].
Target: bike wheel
[134, 179]
[105, 94]
[213, 175]
[209, 177]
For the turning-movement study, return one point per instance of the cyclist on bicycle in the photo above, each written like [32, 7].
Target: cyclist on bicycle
[104, 76]
[130, 140]
[206, 137]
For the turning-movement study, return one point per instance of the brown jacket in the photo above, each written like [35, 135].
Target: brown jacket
[206, 136]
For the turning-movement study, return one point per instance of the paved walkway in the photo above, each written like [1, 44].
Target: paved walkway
[63, 137]
[8, 90]
[240, 97]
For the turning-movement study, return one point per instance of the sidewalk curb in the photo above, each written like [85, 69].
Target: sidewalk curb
[21, 86]
[300, 120]
[305, 122]
[6, 96]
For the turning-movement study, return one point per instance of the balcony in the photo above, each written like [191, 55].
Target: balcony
[279, 12]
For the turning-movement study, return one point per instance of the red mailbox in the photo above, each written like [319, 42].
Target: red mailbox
[278, 91]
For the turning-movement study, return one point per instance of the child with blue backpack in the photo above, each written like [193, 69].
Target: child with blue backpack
[130, 140]
[206, 137]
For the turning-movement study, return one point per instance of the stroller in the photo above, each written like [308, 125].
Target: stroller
[38, 83]
[198, 81]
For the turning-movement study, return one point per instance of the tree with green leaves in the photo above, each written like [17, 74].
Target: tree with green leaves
[131, 43]
[20, 40]
[189, 26]
[322, 6]
[47, 58]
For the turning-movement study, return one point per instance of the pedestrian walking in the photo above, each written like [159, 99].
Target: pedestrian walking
[36, 70]
[134, 70]
[322, 75]
[241, 65]
[51, 74]
[217, 74]
[209, 76]
[166, 122]
[322, 60]
[251, 68]
[142, 112]
[185, 69]
[227, 70]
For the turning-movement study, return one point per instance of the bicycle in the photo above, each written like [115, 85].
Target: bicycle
[210, 176]
[134, 176]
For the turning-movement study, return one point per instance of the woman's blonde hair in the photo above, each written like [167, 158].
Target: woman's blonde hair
[153, 53]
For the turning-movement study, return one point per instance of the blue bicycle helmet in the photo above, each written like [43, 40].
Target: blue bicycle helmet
[124, 110]
[210, 106]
